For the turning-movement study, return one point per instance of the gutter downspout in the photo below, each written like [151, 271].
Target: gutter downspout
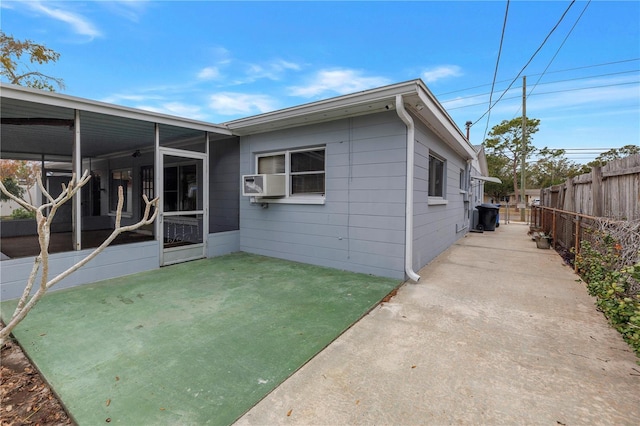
[408, 234]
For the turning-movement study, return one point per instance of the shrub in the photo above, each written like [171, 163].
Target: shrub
[21, 213]
[614, 287]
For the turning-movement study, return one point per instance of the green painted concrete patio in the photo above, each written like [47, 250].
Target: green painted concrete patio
[195, 343]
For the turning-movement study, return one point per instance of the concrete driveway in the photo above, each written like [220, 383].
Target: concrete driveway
[496, 332]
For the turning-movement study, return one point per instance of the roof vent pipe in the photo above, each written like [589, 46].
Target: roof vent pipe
[408, 233]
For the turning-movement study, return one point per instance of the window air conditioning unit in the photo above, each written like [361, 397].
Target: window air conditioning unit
[263, 185]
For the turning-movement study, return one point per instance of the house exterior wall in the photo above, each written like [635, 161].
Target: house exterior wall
[436, 226]
[224, 190]
[222, 243]
[114, 261]
[360, 227]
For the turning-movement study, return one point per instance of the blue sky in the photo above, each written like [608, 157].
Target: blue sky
[217, 61]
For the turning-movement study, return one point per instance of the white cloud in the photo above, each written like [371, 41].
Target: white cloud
[209, 73]
[120, 99]
[337, 81]
[149, 101]
[281, 64]
[273, 70]
[232, 103]
[128, 9]
[432, 75]
[78, 23]
[176, 108]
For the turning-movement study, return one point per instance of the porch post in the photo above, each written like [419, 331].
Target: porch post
[76, 217]
[157, 177]
[205, 195]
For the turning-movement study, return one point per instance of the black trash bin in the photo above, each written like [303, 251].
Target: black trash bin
[488, 216]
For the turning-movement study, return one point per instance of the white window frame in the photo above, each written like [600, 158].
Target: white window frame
[290, 198]
[437, 200]
[127, 208]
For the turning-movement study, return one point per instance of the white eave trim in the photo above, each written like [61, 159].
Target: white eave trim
[74, 103]
[487, 179]
[375, 100]
[444, 126]
[386, 93]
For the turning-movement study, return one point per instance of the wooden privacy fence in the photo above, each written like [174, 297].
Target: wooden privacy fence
[566, 229]
[611, 191]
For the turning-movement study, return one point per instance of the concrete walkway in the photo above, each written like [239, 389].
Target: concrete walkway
[496, 332]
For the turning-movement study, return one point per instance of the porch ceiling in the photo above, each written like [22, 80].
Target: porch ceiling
[104, 129]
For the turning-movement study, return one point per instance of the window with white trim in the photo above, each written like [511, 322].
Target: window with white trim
[436, 176]
[123, 178]
[304, 169]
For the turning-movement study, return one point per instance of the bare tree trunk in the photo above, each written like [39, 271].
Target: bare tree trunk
[515, 182]
[28, 301]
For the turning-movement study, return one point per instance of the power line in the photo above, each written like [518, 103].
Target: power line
[556, 91]
[529, 61]
[557, 51]
[549, 72]
[549, 82]
[586, 88]
[495, 71]
[594, 66]
[585, 149]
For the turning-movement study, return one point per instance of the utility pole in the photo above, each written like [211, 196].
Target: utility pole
[523, 197]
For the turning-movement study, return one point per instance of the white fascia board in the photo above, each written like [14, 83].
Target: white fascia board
[314, 111]
[482, 161]
[75, 103]
[487, 179]
[448, 130]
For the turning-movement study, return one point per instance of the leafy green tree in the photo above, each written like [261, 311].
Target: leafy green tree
[18, 176]
[499, 167]
[505, 141]
[12, 187]
[18, 71]
[551, 168]
[614, 154]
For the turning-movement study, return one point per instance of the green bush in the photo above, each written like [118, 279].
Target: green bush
[12, 185]
[612, 287]
[21, 213]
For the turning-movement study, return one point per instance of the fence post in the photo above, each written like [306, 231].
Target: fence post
[596, 191]
[577, 242]
[553, 229]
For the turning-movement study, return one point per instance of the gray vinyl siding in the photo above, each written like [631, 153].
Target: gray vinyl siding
[224, 187]
[222, 243]
[114, 261]
[436, 227]
[361, 225]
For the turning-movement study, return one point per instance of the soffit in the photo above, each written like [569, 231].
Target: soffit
[104, 129]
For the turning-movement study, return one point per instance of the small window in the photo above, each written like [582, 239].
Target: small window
[436, 177]
[123, 178]
[462, 180]
[305, 170]
[271, 164]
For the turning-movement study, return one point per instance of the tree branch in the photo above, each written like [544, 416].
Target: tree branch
[26, 303]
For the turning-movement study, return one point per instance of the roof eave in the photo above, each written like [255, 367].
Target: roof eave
[329, 109]
[65, 101]
[371, 101]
